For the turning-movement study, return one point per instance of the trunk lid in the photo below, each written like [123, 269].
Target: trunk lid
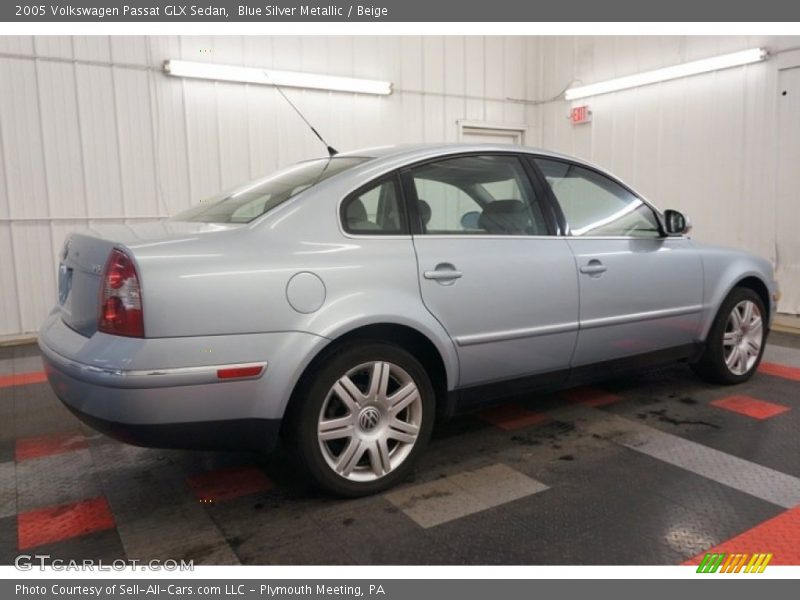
[84, 255]
[79, 272]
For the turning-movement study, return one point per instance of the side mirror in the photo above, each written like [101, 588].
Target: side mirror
[675, 223]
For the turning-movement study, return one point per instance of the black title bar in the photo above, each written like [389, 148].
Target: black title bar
[399, 10]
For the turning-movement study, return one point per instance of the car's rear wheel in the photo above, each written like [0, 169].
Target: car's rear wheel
[362, 418]
[736, 340]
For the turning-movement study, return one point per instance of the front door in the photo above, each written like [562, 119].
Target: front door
[640, 292]
[490, 270]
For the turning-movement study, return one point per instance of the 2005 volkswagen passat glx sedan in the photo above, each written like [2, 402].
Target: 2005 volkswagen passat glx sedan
[344, 303]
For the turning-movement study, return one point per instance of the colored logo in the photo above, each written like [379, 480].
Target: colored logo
[714, 562]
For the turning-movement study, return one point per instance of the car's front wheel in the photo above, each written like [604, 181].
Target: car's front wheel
[736, 340]
[362, 418]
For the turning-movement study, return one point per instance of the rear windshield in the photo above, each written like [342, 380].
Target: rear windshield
[249, 201]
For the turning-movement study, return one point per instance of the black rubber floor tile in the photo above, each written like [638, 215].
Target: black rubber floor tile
[419, 548]
[8, 432]
[101, 546]
[314, 548]
[458, 427]
[364, 519]
[55, 480]
[376, 532]
[499, 535]
[273, 529]
[37, 411]
[585, 461]
[110, 456]
[256, 525]
[787, 340]
[8, 540]
[25, 350]
[687, 412]
[178, 532]
[7, 449]
[133, 493]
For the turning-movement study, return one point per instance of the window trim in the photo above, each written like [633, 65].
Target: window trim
[540, 195]
[567, 230]
[393, 177]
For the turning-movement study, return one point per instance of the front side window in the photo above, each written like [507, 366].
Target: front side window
[246, 202]
[375, 210]
[488, 195]
[594, 205]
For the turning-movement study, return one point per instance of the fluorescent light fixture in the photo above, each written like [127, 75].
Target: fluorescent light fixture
[683, 70]
[201, 70]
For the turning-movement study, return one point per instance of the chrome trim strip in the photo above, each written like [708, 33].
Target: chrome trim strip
[482, 236]
[515, 334]
[642, 316]
[147, 378]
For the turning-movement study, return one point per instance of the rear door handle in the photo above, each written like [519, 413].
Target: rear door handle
[593, 267]
[444, 273]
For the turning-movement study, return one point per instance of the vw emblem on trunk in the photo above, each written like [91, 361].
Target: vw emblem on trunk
[369, 418]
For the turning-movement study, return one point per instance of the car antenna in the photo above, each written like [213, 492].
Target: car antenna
[331, 150]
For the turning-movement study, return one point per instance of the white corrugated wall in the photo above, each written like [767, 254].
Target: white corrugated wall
[706, 145]
[90, 128]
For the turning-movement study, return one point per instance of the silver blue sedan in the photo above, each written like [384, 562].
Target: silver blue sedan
[345, 303]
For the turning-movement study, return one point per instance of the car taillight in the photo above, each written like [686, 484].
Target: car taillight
[120, 297]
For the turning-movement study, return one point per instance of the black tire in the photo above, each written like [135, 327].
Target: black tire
[712, 366]
[312, 395]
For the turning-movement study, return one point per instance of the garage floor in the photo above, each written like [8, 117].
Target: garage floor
[654, 469]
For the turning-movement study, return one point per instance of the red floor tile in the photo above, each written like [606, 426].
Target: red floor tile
[777, 370]
[228, 483]
[751, 407]
[58, 523]
[49, 445]
[590, 396]
[22, 379]
[511, 416]
[778, 536]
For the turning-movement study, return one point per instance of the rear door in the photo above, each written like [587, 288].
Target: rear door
[640, 292]
[491, 269]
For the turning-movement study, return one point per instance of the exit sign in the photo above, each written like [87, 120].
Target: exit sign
[580, 114]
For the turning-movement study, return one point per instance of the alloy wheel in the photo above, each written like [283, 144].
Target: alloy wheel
[370, 421]
[743, 337]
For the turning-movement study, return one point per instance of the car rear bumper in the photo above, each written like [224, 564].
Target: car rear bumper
[119, 386]
[260, 435]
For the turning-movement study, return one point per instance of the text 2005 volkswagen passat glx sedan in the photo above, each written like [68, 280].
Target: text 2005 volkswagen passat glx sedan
[345, 303]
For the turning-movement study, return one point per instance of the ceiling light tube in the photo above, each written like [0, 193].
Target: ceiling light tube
[683, 70]
[217, 72]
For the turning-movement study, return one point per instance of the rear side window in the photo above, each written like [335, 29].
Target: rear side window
[374, 210]
[477, 195]
[249, 201]
[595, 205]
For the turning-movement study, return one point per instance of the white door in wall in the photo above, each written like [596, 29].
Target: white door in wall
[479, 133]
[787, 242]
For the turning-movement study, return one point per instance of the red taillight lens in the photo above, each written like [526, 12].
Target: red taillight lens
[120, 297]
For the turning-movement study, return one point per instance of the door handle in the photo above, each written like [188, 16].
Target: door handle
[594, 267]
[444, 273]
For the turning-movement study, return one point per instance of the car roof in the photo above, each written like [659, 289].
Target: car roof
[412, 152]
[397, 156]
